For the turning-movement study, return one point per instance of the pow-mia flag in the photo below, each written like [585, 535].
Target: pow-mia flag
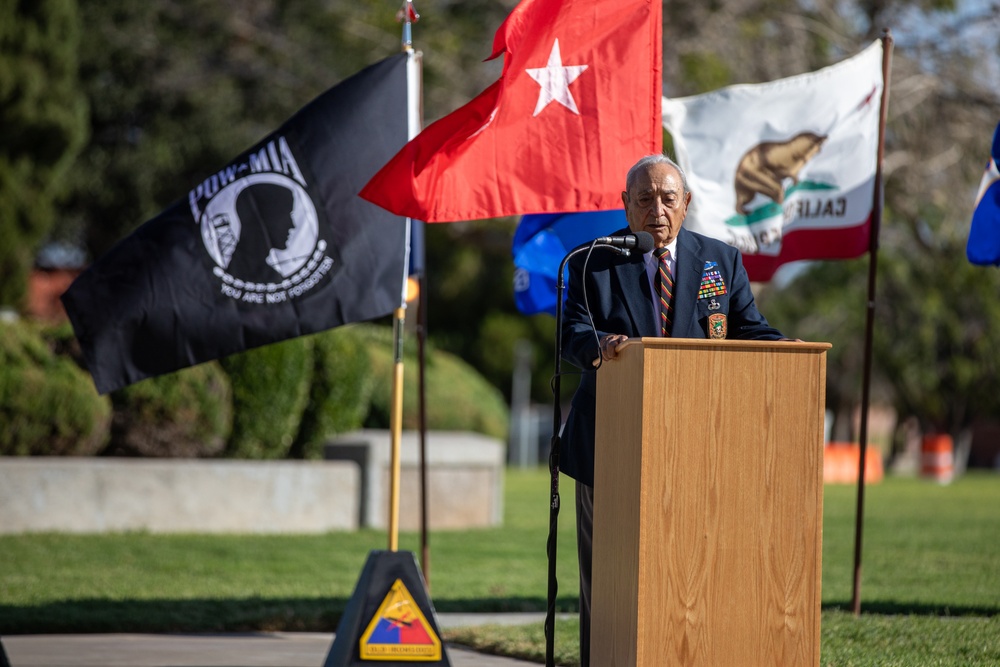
[276, 244]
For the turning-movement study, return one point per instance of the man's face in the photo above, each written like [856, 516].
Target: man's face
[657, 203]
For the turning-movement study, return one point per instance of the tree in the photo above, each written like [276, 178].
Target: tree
[936, 315]
[938, 345]
[826, 302]
[43, 116]
[179, 86]
[176, 89]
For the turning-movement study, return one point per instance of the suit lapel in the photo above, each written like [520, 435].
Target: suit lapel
[638, 302]
[686, 283]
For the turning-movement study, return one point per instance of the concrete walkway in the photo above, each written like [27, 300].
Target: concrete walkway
[259, 649]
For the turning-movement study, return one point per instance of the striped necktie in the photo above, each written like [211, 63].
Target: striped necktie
[664, 290]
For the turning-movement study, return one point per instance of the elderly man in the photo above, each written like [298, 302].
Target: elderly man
[689, 286]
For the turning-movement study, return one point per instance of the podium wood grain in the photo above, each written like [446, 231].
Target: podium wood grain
[708, 504]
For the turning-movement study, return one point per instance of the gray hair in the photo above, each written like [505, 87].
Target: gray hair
[649, 161]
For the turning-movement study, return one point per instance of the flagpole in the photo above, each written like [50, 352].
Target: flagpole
[414, 97]
[425, 552]
[398, 327]
[870, 321]
[393, 575]
[396, 424]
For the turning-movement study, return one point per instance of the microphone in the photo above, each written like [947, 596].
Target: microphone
[641, 241]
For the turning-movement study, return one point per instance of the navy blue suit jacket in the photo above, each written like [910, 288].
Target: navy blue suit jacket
[620, 301]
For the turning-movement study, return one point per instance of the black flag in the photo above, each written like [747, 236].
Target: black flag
[274, 245]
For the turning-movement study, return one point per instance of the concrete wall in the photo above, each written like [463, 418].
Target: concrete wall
[464, 478]
[96, 495]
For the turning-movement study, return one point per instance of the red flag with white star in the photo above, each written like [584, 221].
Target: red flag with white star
[577, 104]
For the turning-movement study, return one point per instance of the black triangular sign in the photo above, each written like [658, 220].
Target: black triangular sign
[389, 619]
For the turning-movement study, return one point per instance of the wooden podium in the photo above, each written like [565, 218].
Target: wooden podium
[708, 504]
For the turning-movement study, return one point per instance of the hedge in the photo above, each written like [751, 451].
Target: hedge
[458, 397]
[48, 404]
[182, 414]
[282, 400]
[270, 389]
[340, 395]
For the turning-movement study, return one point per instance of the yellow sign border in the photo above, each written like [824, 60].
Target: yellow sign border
[398, 594]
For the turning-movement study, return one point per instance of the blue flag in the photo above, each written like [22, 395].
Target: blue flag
[983, 247]
[541, 241]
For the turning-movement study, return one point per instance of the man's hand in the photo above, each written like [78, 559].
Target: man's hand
[609, 347]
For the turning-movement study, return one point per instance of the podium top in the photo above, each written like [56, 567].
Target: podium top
[702, 343]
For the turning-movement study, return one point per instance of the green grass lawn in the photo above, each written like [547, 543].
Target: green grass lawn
[930, 587]
[144, 582]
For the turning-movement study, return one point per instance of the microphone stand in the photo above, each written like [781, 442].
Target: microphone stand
[553, 584]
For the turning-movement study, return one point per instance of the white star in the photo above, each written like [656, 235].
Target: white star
[554, 80]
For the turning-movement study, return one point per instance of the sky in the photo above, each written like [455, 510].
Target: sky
[977, 21]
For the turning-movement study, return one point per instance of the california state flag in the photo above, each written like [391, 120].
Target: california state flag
[784, 170]
[577, 103]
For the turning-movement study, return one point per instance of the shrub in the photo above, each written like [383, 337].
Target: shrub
[458, 397]
[48, 405]
[270, 389]
[341, 390]
[182, 414]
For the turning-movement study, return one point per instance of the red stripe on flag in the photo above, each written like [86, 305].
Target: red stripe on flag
[809, 244]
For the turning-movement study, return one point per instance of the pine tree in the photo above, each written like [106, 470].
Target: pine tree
[44, 121]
